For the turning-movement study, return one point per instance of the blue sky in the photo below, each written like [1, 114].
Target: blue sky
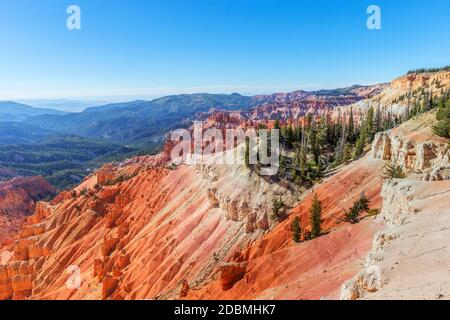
[155, 47]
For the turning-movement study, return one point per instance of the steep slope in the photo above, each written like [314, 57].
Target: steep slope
[410, 256]
[19, 194]
[276, 268]
[196, 227]
[142, 237]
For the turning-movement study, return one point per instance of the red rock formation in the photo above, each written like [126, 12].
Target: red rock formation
[19, 195]
[276, 268]
[18, 199]
[288, 107]
[184, 289]
[230, 274]
[150, 235]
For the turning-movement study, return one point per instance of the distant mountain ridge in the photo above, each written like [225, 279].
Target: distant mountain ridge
[142, 122]
[11, 111]
[64, 147]
[146, 122]
[66, 105]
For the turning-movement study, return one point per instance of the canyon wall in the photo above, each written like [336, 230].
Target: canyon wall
[135, 231]
[410, 256]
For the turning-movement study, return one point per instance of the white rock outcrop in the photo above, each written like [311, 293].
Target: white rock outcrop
[410, 258]
[431, 160]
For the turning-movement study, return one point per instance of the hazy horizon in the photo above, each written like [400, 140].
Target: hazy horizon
[174, 47]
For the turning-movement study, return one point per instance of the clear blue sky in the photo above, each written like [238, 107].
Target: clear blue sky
[155, 47]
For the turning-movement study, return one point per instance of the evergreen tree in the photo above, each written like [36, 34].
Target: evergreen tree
[442, 128]
[347, 156]
[277, 208]
[323, 136]
[392, 170]
[339, 154]
[296, 230]
[315, 217]
[314, 146]
[361, 205]
[378, 121]
[277, 124]
[283, 163]
[360, 144]
[369, 125]
[351, 127]
[247, 152]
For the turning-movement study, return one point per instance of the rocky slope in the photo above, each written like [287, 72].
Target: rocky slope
[273, 267]
[410, 256]
[176, 223]
[19, 195]
[401, 92]
[18, 199]
[138, 231]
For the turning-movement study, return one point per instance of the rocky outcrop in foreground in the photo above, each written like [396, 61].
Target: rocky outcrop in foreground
[410, 257]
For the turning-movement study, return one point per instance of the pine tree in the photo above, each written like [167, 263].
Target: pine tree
[378, 122]
[277, 124]
[277, 208]
[296, 230]
[247, 153]
[283, 163]
[360, 205]
[315, 217]
[442, 128]
[369, 125]
[392, 170]
[360, 144]
[351, 127]
[347, 154]
[313, 144]
[302, 154]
